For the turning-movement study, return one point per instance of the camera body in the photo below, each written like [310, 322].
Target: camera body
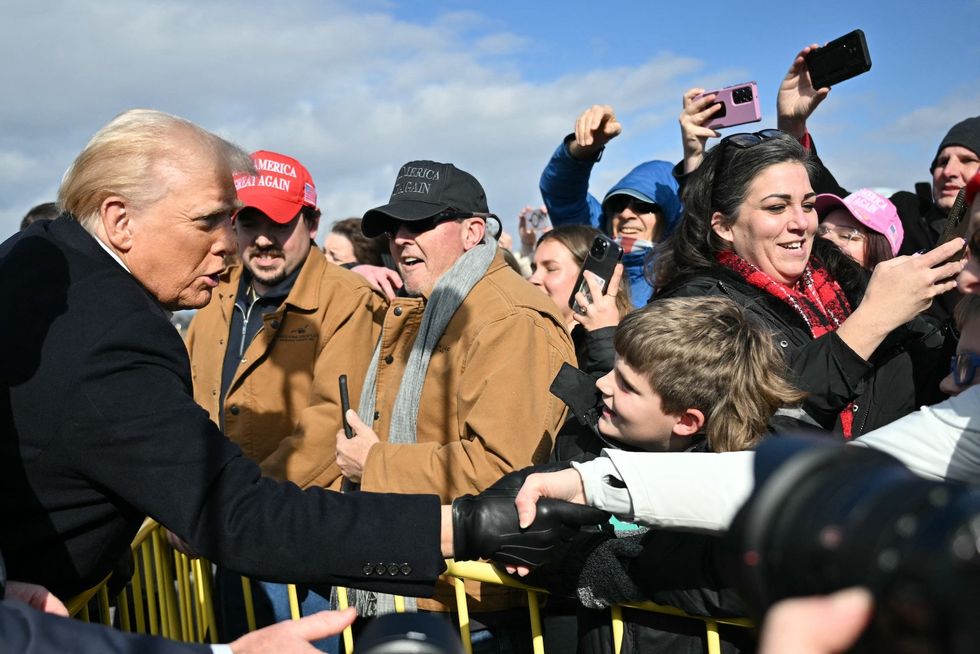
[826, 517]
[409, 633]
[739, 105]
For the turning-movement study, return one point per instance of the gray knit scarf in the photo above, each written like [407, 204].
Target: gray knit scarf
[447, 295]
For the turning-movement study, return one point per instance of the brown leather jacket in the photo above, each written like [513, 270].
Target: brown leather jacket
[283, 405]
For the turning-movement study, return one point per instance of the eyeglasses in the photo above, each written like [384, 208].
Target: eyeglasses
[963, 367]
[849, 234]
[417, 227]
[745, 140]
[618, 203]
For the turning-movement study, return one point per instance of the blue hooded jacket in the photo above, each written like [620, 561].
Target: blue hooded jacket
[565, 191]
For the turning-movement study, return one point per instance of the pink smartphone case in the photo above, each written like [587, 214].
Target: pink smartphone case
[741, 105]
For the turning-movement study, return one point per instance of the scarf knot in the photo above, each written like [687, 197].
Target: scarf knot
[816, 297]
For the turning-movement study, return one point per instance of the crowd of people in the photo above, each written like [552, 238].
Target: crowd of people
[350, 416]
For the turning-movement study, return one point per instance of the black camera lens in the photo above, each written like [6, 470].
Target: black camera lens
[599, 248]
[409, 633]
[833, 517]
[742, 95]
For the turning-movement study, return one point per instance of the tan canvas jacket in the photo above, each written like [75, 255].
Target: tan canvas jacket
[283, 405]
[485, 408]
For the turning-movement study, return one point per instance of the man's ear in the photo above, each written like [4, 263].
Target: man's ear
[473, 231]
[718, 226]
[689, 423]
[313, 225]
[116, 220]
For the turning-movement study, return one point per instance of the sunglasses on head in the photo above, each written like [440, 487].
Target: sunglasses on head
[963, 367]
[745, 140]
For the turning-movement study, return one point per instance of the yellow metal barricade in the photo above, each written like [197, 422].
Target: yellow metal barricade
[172, 595]
[169, 594]
[487, 573]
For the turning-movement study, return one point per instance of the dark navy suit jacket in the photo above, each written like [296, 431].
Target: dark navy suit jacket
[98, 429]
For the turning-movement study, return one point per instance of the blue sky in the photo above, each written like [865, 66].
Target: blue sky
[356, 89]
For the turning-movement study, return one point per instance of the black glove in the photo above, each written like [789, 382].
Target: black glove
[485, 526]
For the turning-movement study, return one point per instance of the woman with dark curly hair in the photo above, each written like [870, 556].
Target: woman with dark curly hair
[748, 233]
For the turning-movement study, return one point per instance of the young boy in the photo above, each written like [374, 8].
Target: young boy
[690, 374]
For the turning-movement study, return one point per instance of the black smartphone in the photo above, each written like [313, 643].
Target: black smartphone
[601, 261]
[346, 485]
[841, 59]
[345, 405]
[957, 221]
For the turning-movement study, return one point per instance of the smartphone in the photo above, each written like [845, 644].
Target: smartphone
[345, 405]
[539, 221]
[957, 221]
[603, 256]
[739, 105]
[839, 60]
[346, 486]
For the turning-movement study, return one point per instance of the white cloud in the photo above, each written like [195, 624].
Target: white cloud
[349, 89]
[897, 151]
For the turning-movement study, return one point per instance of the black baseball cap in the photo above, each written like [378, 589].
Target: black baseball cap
[424, 189]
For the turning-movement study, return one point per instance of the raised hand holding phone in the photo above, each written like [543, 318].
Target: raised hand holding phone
[736, 105]
[699, 108]
[602, 311]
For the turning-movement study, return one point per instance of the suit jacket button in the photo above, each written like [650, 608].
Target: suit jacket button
[380, 568]
[234, 410]
[392, 569]
[397, 311]
[367, 569]
[406, 569]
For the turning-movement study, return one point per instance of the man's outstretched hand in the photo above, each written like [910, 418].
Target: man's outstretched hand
[486, 526]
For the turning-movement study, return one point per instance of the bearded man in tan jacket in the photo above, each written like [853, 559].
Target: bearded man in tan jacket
[267, 351]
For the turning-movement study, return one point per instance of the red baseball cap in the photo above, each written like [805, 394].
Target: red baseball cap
[281, 187]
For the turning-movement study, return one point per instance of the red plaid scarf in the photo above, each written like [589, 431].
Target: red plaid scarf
[816, 296]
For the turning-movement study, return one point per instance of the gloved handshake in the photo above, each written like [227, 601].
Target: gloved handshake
[485, 526]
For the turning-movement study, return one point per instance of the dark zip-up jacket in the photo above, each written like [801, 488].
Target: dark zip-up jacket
[833, 375]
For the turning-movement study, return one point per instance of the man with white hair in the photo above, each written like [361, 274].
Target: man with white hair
[98, 425]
